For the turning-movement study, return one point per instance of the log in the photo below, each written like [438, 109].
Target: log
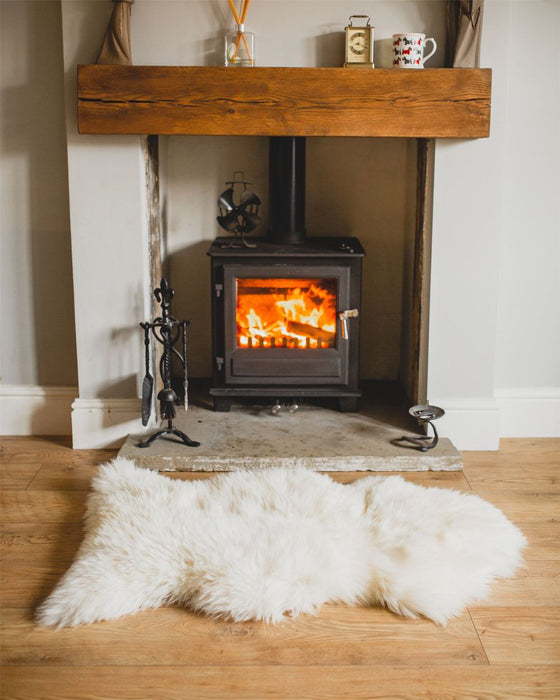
[309, 331]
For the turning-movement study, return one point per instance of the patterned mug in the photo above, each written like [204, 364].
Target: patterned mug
[408, 50]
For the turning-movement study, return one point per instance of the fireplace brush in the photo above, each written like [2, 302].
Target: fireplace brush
[166, 330]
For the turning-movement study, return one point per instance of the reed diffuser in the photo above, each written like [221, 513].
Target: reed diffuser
[240, 45]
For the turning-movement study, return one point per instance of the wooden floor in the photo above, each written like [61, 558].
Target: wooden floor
[506, 647]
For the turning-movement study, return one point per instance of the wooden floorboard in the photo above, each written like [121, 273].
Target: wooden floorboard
[16, 476]
[508, 646]
[528, 634]
[281, 682]
[530, 506]
[338, 635]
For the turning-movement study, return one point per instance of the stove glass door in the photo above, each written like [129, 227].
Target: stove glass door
[282, 323]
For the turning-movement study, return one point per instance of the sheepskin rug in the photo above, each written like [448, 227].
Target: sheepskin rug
[261, 545]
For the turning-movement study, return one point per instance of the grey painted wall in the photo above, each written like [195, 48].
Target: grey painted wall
[38, 335]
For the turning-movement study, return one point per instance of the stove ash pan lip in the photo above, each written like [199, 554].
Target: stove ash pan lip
[277, 372]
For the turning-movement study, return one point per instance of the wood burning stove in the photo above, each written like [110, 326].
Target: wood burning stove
[285, 311]
[285, 320]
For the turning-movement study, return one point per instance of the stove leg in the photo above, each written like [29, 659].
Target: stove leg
[348, 404]
[221, 405]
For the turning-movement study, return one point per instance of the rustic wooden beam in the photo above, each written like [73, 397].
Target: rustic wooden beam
[422, 269]
[150, 149]
[211, 100]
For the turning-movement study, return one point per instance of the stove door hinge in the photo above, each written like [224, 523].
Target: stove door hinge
[220, 363]
[218, 289]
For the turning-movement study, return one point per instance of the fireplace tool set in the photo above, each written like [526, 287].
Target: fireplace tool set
[166, 330]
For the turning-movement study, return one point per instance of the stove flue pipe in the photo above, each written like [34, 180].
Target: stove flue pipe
[287, 189]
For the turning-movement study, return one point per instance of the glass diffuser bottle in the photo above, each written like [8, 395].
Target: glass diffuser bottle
[240, 47]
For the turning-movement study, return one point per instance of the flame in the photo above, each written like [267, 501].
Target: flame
[286, 313]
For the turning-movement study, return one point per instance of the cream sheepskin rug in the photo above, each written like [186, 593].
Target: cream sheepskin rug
[261, 545]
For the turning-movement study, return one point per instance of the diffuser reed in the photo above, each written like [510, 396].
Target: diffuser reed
[240, 45]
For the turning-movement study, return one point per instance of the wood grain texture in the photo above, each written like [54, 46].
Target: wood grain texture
[42, 506]
[425, 162]
[17, 476]
[524, 506]
[536, 583]
[529, 634]
[42, 543]
[214, 100]
[283, 682]
[339, 635]
[507, 647]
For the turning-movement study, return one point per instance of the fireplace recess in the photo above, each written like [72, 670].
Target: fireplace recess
[315, 354]
[281, 101]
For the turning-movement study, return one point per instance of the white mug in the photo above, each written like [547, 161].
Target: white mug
[408, 50]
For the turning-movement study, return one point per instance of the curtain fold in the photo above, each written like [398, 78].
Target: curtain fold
[116, 43]
[464, 31]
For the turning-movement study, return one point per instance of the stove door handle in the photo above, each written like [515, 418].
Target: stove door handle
[344, 316]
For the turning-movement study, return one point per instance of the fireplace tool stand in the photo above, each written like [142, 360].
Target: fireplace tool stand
[166, 330]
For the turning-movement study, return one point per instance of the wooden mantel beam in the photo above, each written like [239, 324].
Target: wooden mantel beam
[211, 100]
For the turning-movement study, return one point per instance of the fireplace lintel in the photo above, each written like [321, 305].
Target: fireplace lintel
[213, 100]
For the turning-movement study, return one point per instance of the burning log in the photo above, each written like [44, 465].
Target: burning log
[310, 331]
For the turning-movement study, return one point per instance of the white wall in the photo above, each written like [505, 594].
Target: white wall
[37, 343]
[109, 251]
[495, 309]
[527, 379]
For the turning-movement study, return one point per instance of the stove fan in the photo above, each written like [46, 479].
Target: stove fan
[239, 210]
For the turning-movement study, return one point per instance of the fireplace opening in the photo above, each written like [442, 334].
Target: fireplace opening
[263, 347]
[289, 313]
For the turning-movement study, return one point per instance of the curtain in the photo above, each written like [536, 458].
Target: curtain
[116, 44]
[464, 30]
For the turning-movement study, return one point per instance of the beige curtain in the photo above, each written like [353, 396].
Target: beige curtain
[116, 44]
[464, 30]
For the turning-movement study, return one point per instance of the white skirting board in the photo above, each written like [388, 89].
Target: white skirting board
[472, 424]
[478, 424]
[529, 412]
[36, 410]
[99, 423]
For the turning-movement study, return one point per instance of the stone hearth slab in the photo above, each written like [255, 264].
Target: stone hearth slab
[251, 437]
